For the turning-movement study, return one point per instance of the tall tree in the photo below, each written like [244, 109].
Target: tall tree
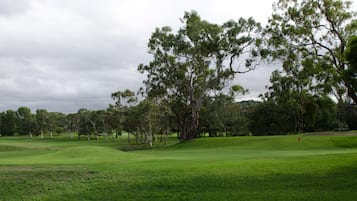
[123, 99]
[87, 124]
[42, 121]
[196, 62]
[9, 122]
[26, 121]
[290, 94]
[312, 35]
[72, 123]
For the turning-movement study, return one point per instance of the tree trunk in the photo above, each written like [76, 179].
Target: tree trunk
[189, 130]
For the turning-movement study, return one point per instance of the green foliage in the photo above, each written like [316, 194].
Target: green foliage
[347, 115]
[310, 38]
[282, 115]
[197, 61]
[26, 121]
[350, 74]
[8, 122]
[295, 105]
[269, 118]
[222, 116]
[124, 97]
[42, 120]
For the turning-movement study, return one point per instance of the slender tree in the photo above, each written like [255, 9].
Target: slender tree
[42, 121]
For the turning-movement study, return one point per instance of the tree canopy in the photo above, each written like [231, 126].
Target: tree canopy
[311, 36]
[197, 62]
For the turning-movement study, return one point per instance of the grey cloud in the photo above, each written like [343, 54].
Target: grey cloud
[13, 7]
[63, 55]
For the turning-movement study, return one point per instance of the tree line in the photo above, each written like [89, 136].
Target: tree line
[149, 121]
[189, 91]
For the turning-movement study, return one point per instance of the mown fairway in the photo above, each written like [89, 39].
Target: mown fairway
[243, 168]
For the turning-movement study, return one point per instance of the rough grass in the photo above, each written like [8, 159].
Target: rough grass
[319, 168]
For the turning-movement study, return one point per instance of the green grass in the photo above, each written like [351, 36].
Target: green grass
[319, 168]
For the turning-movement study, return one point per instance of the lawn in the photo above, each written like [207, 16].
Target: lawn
[275, 168]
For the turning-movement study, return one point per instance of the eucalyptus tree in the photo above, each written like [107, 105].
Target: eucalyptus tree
[143, 120]
[56, 122]
[9, 122]
[291, 106]
[196, 62]
[72, 122]
[87, 124]
[42, 121]
[26, 121]
[312, 36]
[122, 99]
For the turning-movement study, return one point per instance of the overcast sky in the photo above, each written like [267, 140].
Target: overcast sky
[62, 55]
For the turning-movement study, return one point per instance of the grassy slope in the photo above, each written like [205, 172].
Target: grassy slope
[242, 168]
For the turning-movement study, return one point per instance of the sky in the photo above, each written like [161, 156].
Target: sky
[62, 55]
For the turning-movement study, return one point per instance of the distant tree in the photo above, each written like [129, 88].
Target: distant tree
[56, 122]
[123, 99]
[223, 116]
[142, 120]
[311, 36]
[292, 91]
[116, 119]
[147, 121]
[291, 97]
[270, 118]
[9, 121]
[165, 120]
[26, 121]
[42, 121]
[193, 64]
[346, 116]
[102, 123]
[87, 124]
[72, 122]
[326, 114]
